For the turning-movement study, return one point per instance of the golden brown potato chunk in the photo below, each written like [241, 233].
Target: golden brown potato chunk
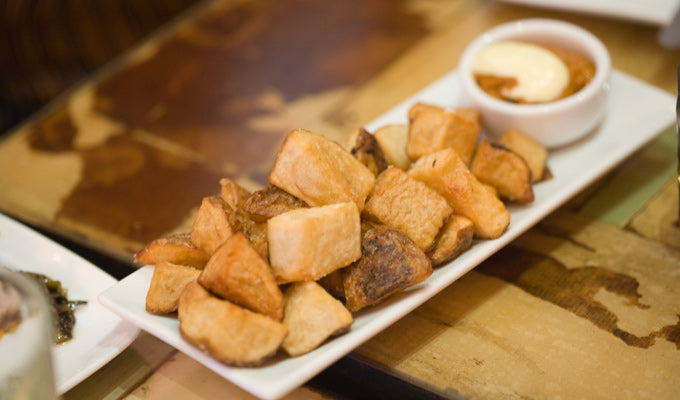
[505, 170]
[226, 331]
[390, 263]
[446, 172]
[176, 249]
[214, 223]
[333, 284]
[534, 153]
[418, 107]
[312, 316]
[236, 272]
[319, 171]
[256, 234]
[309, 243]
[433, 129]
[454, 238]
[392, 140]
[270, 202]
[233, 193]
[408, 205]
[366, 149]
[167, 282]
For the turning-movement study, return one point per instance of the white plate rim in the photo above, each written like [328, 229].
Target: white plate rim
[637, 112]
[99, 335]
[652, 12]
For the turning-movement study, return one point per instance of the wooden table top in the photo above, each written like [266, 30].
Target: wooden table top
[586, 304]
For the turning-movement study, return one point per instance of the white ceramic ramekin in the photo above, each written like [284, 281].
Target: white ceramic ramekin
[556, 123]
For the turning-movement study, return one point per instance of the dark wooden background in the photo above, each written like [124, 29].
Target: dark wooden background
[47, 46]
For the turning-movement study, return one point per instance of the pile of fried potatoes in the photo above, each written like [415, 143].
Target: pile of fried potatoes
[340, 227]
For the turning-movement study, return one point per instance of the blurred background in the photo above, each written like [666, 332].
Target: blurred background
[48, 46]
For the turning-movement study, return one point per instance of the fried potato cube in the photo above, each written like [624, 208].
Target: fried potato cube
[505, 170]
[256, 233]
[408, 205]
[332, 283]
[490, 189]
[312, 316]
[433, 129]
[446, 172]
[534, 153]
[367, 150]
[236, 272]
[470, 115]
[167, 282]
[226, 331]
[391, 262]
[420, 106]
[214, 223]
[309, 243]
[393, 139]
[233, 193]
[219, 217]
[176, 249]
[270, 202]
[454, 238]
[319, 171]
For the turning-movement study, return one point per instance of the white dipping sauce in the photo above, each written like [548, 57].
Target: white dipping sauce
[541, 75]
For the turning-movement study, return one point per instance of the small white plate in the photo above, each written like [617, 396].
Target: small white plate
[637, 112]
[652, 12]
[99, 335]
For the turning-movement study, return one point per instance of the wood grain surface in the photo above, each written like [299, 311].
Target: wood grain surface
[573, 308]
[215, 96]
[47, 46]
[584, 305]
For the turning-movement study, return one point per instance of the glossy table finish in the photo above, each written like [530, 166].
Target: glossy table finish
[585, 304]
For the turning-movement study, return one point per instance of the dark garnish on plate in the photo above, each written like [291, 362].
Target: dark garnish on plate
[63, 309]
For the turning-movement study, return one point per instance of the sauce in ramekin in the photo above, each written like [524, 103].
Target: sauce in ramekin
[527, 73]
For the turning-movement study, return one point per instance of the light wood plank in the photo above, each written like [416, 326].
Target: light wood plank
[569, 322]
[125, 372]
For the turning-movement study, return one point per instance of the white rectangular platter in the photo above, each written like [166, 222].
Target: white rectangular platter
[652, 12]
[636, 113]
